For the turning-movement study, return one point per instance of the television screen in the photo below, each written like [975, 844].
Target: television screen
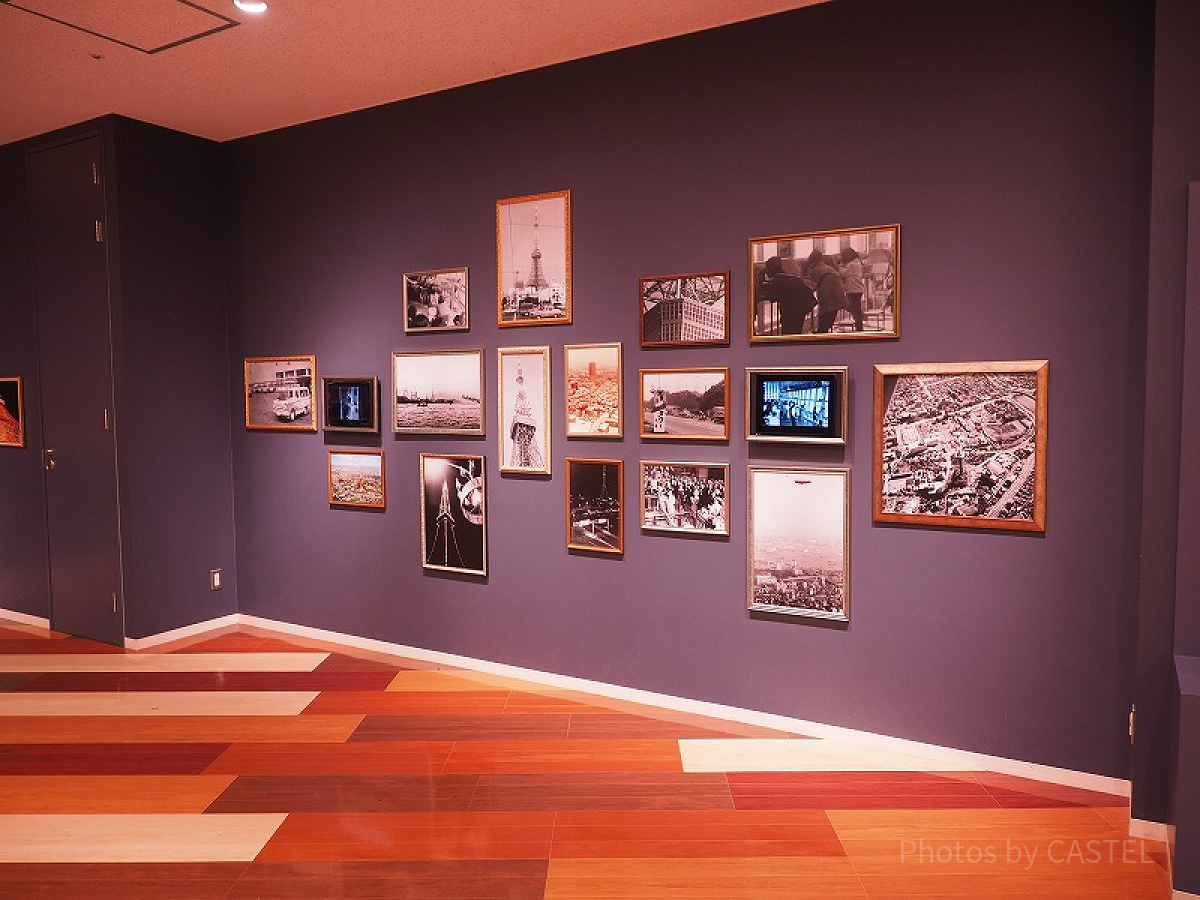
[795, 405]
[350, 404]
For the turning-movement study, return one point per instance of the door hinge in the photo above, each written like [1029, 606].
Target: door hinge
[99, 232]
[95, 174]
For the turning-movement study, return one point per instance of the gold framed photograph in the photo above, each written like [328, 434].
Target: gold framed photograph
[279, 393]
[592, 390]
[356, 478]
[685, 497]
[595, 504]
[684, 310]
[437, 392]
[436, 301]
[684, 404]
[533, 259]
[524, 409]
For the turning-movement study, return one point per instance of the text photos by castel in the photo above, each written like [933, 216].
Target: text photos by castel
[12, 412]
[595, 505]
[533, 259]
[685, 498]
[453, 514]
[357, 479]
[684, 310]
[523, 409]
[279, 393]
[798, 543]
[825, 285]
[592, 390]
[438, 392]
[436, 301]
[684, 404]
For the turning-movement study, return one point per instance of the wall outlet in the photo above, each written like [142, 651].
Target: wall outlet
[214, 579]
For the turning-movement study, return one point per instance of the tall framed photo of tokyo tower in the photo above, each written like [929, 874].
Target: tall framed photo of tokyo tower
[533, 259]
[524, 410]
[453, 514]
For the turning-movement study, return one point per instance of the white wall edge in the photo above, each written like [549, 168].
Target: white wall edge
[1036, 771]
[178, 634]
[1151, 831]
[24, 618]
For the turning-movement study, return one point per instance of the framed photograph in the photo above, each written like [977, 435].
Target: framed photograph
[437, 392]
[688, 498]
[351, 404]
[961, 444]
[684, 404]
[356, 479]
[533, 259]
[435, 301]
[799, 541]
[826, 285]
[453, 514]
[524, 410]
[12, 412]
[595, 495]
[279, 393]
[685, 310]
[798, 405]
[593, 390]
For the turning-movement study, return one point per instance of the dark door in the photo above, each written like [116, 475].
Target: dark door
[75, 343]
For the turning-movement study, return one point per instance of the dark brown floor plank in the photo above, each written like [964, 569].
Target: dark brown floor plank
[118, 881]
[600, 791]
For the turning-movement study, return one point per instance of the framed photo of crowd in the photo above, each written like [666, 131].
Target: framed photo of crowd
[685, 498]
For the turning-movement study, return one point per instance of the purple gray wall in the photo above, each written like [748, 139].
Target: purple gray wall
[1013, 150]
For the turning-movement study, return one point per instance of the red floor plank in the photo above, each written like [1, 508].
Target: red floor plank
[498, 727]
[108, 759]
[347, 793]
[390, 880]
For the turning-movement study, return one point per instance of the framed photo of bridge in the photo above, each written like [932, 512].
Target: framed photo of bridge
[961, 444]
[595, 505]
[533, 259]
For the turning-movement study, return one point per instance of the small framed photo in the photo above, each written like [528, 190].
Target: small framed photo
[799, 541]
[12, 412]
[684, 404]
[437, 392]
[279, 393]
[453, 514]
[687, 498]
[524, 410]
[797, 405]
[593, 390]
[351, 404]
[356, 478]
[533, 259]
[685, 310]
[961, 444]
[826, 285]
[595, 499]
[435, 301]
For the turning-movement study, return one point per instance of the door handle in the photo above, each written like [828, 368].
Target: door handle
[48, 460]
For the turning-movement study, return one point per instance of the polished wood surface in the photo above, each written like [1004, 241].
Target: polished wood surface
[240, 773]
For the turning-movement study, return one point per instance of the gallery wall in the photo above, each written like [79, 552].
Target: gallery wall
[975, 131]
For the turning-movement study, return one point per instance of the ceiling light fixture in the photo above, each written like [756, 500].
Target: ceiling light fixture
[254, 7]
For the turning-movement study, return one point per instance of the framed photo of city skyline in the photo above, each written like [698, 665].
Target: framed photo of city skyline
[279, 393]
[437, 392]
[684, 404]
[961, 444]
[351, 404]
[685, 498]
[595, 505]
[453, 514]
[593, 390]
[436, 301]
[825, 285]
[684, 310]
[802, 405]
[524, 409]
[356, 478]
[533, 259]
[798, 541]
[12, 412]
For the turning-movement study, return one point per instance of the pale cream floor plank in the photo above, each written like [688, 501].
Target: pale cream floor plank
[785, 755]
[161, 662]
[57, 794]
[135, 838]
[157, 703]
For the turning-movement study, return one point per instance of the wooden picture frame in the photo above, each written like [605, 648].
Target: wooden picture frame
[684, 404]
[533, 260]
[278, 393]
[684, 310]
[596, 505]
[435, 301]
[438, 392]
[453, 514]
[797, 405]
[592, 390]
[961, 445]
[798, 541]
[825, 285]
[357, 478]
[523, 409]
[685, 497]
[12, 411]
[350, 404]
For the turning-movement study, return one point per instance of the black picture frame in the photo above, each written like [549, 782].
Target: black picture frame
[351, 404]
[797, 405]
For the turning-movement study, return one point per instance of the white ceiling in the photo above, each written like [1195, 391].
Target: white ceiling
[232, 74]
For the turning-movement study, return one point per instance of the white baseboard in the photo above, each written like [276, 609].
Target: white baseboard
[1036, 771]
[24, 619]
[1150, 831]
[179, 634]
[1184, 895]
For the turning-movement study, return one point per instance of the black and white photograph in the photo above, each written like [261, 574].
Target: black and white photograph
[961, 444]
[684, 404]
[453, 514]
[593, 390]
[435, 301]
[595, 494]
[12, 412]
[533, 259]
[684, 310]
[356, 478]
[797, 405]
[826, 285]
[524, 410]
[799, 541]
[437, 392]
[351, 404]
[279, 393]
[685, 498]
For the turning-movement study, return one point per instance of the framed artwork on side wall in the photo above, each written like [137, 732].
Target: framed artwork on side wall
[279, 393]
[12, 412]
[533, 259]
[351, 404]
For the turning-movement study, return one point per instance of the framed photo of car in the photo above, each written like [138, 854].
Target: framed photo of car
[437, 392]
[351, 404]
[279, 393]
[356, 478]
[533, 259]
[12, 412]
[436, 301]
[684, 404]
[797, 405]
[595, 504]
[453, 514]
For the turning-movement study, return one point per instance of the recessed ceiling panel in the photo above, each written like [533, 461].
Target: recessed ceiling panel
[146, 25]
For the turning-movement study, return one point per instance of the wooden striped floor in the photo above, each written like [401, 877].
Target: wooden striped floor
[245, 765]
